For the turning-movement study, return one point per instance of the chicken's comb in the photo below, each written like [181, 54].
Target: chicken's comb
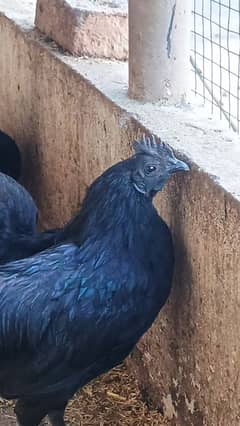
[152, 146]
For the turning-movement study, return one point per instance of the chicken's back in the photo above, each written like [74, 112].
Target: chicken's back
[10, 158]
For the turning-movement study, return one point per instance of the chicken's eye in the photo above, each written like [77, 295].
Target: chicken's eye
[149, 169]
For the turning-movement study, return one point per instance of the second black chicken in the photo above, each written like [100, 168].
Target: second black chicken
[19, 237]
[10, 157]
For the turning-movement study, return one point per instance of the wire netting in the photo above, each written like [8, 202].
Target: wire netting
[215, 56]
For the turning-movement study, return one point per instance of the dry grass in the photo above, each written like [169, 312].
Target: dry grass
[112, 400]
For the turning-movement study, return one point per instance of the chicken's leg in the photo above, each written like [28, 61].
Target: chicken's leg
[56, 418]
[29, 413]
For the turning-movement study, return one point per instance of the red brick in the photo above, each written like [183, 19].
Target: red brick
[95, 29]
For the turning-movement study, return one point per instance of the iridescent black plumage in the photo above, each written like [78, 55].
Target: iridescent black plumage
[10, 158]
[76, 310]
[18, 212]
[18, 223]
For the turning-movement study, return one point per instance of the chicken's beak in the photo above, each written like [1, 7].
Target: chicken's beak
[179, 166]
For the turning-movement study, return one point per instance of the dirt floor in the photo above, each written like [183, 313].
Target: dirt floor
[112, 400]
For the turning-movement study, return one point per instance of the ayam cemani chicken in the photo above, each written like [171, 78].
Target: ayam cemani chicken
[76, 310]
[18, 212]
[19, 237]
[10, 157]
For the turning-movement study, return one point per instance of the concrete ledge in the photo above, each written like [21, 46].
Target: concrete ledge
[72, 119]
[86, 28]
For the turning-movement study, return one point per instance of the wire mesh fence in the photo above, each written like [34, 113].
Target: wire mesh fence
[215, 56]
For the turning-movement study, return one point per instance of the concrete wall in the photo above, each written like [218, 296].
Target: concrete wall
[68, 131]
[192, 352]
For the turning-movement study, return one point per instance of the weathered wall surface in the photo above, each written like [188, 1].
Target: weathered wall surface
[188, 364]
[85, 28]
[67, 131]
[190, 357]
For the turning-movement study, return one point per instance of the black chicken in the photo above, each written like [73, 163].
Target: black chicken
[18, 212]
[10, 158]
[76, 310]
[18, 223]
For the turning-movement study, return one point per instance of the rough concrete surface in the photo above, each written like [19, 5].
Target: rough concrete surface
[21, 11]
[209, 143]
[107, 6]
[88, 28]
[159, 46]
[72, 119]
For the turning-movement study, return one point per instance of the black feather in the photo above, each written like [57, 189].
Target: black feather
[76, 310]
[18, 223]
[10, 158]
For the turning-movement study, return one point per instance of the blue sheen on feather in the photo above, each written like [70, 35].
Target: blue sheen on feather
[77, 309]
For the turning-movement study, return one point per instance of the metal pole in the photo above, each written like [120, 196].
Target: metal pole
[159, 50]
